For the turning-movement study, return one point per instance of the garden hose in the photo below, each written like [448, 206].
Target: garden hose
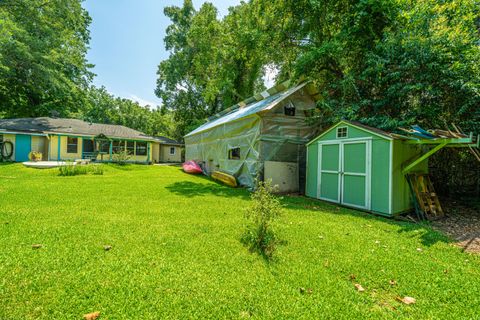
[6, 150]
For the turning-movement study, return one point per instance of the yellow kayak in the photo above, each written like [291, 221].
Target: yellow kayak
[227, 179]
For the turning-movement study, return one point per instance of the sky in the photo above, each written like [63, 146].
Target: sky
[126, 44]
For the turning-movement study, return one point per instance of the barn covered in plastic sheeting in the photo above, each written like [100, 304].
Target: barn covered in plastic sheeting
[263, 136]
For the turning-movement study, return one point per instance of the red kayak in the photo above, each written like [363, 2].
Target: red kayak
[191, 167]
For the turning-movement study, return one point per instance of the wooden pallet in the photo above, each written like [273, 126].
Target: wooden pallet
[425, 196]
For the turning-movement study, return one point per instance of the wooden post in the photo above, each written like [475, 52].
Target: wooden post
[423, 157]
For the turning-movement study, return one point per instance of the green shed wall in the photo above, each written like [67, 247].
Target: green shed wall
[403, 153]
[352, 133]
[312, 171]
[380, 183]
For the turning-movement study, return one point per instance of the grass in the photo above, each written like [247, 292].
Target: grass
[176, 253]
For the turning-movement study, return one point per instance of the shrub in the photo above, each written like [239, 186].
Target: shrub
[96, 169]
[72, 169]
[121, 157]
[259, 233]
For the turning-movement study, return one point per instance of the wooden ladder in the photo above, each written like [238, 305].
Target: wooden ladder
[425, 196]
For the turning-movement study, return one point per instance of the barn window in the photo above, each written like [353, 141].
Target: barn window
[342, 132]
[72, 145]
[172, 151]
[141, 149]
[234, 153]
[289, 109]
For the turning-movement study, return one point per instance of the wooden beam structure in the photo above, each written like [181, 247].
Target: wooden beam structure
[423, 157]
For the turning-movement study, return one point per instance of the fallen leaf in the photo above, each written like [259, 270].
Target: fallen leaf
[359, 287]
[91, 316]
[377, 242]
[407, 300]
[353, 277]
[302, 290]
[106, 248]
[309, 290]
[419, 249]
[392, 282]
[36, 246]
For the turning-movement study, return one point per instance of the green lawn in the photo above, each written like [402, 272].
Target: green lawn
[176, 253]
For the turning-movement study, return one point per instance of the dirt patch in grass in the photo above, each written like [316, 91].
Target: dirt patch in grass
[462, 224]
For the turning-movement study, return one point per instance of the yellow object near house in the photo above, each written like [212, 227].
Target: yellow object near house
[35, 156]
[227, 179]
[56, 139]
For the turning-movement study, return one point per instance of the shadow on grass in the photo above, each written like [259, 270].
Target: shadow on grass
[268, 258]
[7, 163]
[195, 189]
[428, 236]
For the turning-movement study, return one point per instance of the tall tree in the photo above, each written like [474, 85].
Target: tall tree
[385, 62]
[43, 66]
[212, 65]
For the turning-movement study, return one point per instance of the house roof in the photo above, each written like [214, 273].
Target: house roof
[70, 126]
[256, 104]
[165, 140]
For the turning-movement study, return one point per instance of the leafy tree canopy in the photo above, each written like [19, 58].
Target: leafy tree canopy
[213, 63]
[43, 68]
[388, 63]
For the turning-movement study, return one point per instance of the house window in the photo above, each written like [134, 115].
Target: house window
[118, 146]
[234, 154]
[172, 151]
[72, 145]
[342, 132]
[289, 109]
[130, 147]
[104, 146]
[141, 149]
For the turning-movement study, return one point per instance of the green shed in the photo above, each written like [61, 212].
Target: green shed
[359, 166]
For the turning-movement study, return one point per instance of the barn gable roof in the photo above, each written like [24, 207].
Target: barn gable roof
[254, 105]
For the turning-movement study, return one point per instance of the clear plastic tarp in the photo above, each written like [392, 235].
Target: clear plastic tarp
[273, 129]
